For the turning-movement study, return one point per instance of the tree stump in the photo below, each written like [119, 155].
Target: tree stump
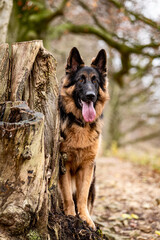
[33, 79]
[22, 185]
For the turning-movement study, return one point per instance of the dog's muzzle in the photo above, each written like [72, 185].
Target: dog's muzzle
[90, 95]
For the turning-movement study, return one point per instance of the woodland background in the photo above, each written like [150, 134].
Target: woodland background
[129, 31]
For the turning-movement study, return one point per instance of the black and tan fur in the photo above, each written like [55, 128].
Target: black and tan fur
[80, 138]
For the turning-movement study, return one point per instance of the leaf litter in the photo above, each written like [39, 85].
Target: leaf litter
[127, 203]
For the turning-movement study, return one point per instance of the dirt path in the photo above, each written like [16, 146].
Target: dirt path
[128, 200]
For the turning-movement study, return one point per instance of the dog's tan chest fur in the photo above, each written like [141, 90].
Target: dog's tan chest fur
[81, 145]
[80, 137]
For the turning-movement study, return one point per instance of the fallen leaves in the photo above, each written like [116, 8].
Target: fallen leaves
[130, 216]
[126, 207]
[157, 232]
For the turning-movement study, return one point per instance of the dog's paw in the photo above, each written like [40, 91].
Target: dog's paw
[70, 211]
[88, 220]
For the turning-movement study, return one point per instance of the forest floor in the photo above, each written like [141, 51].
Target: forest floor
[128, 200]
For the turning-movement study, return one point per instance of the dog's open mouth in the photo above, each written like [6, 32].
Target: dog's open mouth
[88, 111]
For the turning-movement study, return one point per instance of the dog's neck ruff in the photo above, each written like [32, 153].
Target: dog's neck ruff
[79, 122]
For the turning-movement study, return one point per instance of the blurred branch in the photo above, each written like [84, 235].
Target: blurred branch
[138, 16]
[105, 35]
[141, 139]
[102, 33]
[97, 22]
[118, 76]
[46, 16]
[150, 45]
[85, 6]
[90, 29]
[58, 12]
[153, 115]
[139, 124]
[137, 94]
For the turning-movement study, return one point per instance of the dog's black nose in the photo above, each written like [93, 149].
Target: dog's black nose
[90, 95]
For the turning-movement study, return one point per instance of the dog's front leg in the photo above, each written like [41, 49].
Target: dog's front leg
[66, 190]
[83, 181]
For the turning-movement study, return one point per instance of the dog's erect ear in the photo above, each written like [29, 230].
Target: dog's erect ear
[74, 61]
[100, 61]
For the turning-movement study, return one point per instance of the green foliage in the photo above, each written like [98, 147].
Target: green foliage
[33, 235]
[29, 19]
[31, 12]
[99, 231]
[114, 148]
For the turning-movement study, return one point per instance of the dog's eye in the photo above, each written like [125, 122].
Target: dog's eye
[82, 78]
[94, 80]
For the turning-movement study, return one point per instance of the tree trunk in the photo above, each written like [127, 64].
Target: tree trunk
[29, 148]
[34, 80]
[113, 117]
[5, 12]
[4, 70]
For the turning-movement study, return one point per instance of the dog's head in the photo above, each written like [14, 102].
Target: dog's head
[87, 82]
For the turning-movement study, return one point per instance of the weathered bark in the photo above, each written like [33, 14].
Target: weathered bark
[5, 11]
[22, 167]
[22, 59]
[4, 70]
[32, 78]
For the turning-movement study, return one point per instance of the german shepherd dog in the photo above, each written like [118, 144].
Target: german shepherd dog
[82, 97]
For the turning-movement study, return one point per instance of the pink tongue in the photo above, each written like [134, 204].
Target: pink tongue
[88, 111]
